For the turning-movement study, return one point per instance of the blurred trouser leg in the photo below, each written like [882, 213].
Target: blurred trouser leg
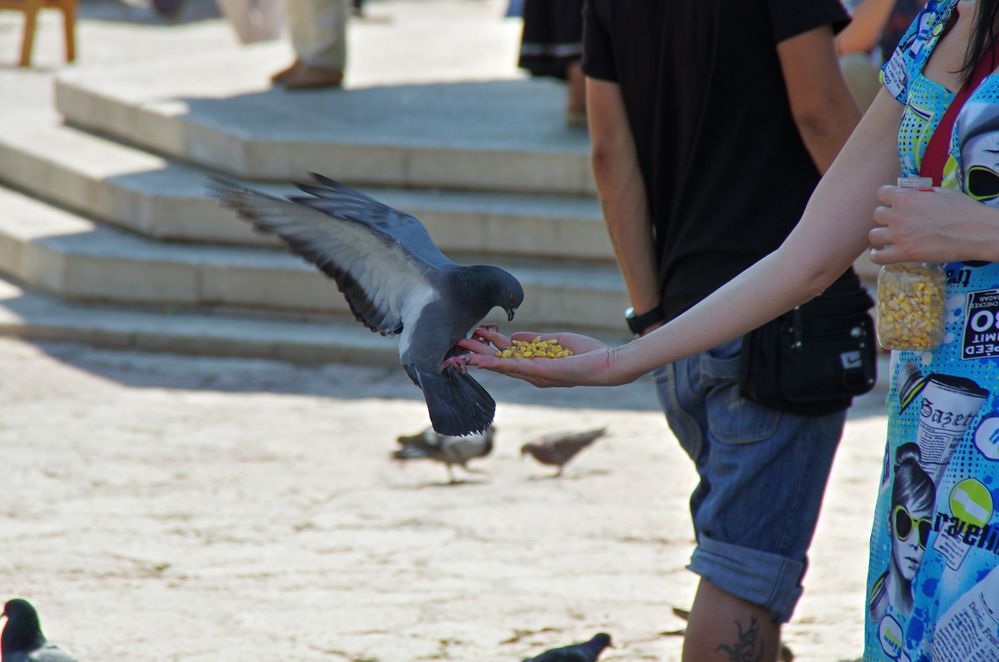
[861, 77]
[319, 32]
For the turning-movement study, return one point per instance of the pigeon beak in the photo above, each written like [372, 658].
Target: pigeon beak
[509, 315]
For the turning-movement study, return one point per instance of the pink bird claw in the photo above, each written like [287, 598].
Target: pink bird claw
[459, 363]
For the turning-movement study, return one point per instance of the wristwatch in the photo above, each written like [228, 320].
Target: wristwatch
[638, 323]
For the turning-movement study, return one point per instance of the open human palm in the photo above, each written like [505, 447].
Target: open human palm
[590, 364]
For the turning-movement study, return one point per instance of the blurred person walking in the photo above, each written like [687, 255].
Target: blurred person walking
[711, 123]
[319, 36]
[552, 45]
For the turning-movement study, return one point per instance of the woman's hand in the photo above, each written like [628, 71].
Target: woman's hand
[942, 225]
[590, 365]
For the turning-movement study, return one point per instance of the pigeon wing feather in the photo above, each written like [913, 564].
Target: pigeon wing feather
[331, 197]
[374, 268]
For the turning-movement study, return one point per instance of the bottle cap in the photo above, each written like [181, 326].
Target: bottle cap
[925, 183]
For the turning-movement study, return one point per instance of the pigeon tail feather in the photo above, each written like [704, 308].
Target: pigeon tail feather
[458, 405]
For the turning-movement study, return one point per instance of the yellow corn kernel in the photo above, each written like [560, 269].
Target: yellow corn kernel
[537, 348]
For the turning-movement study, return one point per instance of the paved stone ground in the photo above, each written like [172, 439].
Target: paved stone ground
[169, 508]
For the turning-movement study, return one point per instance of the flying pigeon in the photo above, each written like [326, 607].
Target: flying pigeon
[587, 651]
[449, 451]
[558, 448]
[396, 282]
[22, 639]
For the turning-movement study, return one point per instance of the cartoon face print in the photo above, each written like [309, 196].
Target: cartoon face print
[910, 527]
[978, 141]
[910, 518]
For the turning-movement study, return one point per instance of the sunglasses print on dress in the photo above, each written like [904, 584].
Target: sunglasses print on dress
[905, 523]
[983, 183]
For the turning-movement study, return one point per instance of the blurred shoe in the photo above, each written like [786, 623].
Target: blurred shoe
[168, 8]
[280, 76]
[308, 77]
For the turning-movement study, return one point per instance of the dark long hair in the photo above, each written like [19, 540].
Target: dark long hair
[983, 35]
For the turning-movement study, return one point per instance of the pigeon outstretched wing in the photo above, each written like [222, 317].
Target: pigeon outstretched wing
[379, 258]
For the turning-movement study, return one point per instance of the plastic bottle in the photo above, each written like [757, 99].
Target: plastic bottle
[911, 297]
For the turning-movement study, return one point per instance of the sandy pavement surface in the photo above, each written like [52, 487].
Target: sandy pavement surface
[158, 507]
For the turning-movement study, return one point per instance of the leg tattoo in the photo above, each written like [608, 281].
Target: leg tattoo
[748, 647]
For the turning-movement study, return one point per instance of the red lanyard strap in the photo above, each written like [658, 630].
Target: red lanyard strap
[938, 148]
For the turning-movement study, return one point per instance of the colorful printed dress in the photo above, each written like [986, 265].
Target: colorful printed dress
[933, 582]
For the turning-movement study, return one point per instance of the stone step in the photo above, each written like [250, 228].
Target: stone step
[166, 199]
[32, 315]
[221, 113]
[73, 257]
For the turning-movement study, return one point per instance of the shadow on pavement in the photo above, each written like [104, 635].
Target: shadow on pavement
[349, 382]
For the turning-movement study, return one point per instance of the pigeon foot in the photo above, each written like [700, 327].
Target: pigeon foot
[459, 363]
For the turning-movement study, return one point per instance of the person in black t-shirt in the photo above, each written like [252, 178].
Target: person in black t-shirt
[711, 122]
[551, 45]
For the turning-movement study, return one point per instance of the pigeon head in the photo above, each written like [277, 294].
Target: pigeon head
[599, 642]
[22, 631]
[504, 289]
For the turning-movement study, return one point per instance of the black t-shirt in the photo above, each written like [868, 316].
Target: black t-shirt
[726, 173]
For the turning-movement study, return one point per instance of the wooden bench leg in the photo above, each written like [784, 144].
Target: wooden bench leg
[28, 39]
[69, 29]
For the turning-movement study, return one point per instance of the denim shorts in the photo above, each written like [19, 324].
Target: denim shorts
[762, 476]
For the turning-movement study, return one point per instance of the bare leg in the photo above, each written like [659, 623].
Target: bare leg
[725, 628]
[576, 106]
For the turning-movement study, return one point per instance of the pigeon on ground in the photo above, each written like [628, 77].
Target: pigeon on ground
[22, 639]
[396, 281]
[429, 445]
[587, 651]
[558, 448]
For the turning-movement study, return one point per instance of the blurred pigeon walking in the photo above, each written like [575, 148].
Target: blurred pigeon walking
[558, 448]
[22, 639]
[449, 451]
[587, 651]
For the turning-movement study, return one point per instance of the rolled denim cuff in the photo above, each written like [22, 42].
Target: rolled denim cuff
[762, 578]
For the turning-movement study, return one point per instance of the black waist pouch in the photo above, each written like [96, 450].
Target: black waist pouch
[814, 359]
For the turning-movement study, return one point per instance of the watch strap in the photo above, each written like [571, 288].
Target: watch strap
[638, 323]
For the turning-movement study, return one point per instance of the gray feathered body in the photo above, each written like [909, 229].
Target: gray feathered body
[447, 450]
[22, 639]
[47, 653]
[587, 651]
